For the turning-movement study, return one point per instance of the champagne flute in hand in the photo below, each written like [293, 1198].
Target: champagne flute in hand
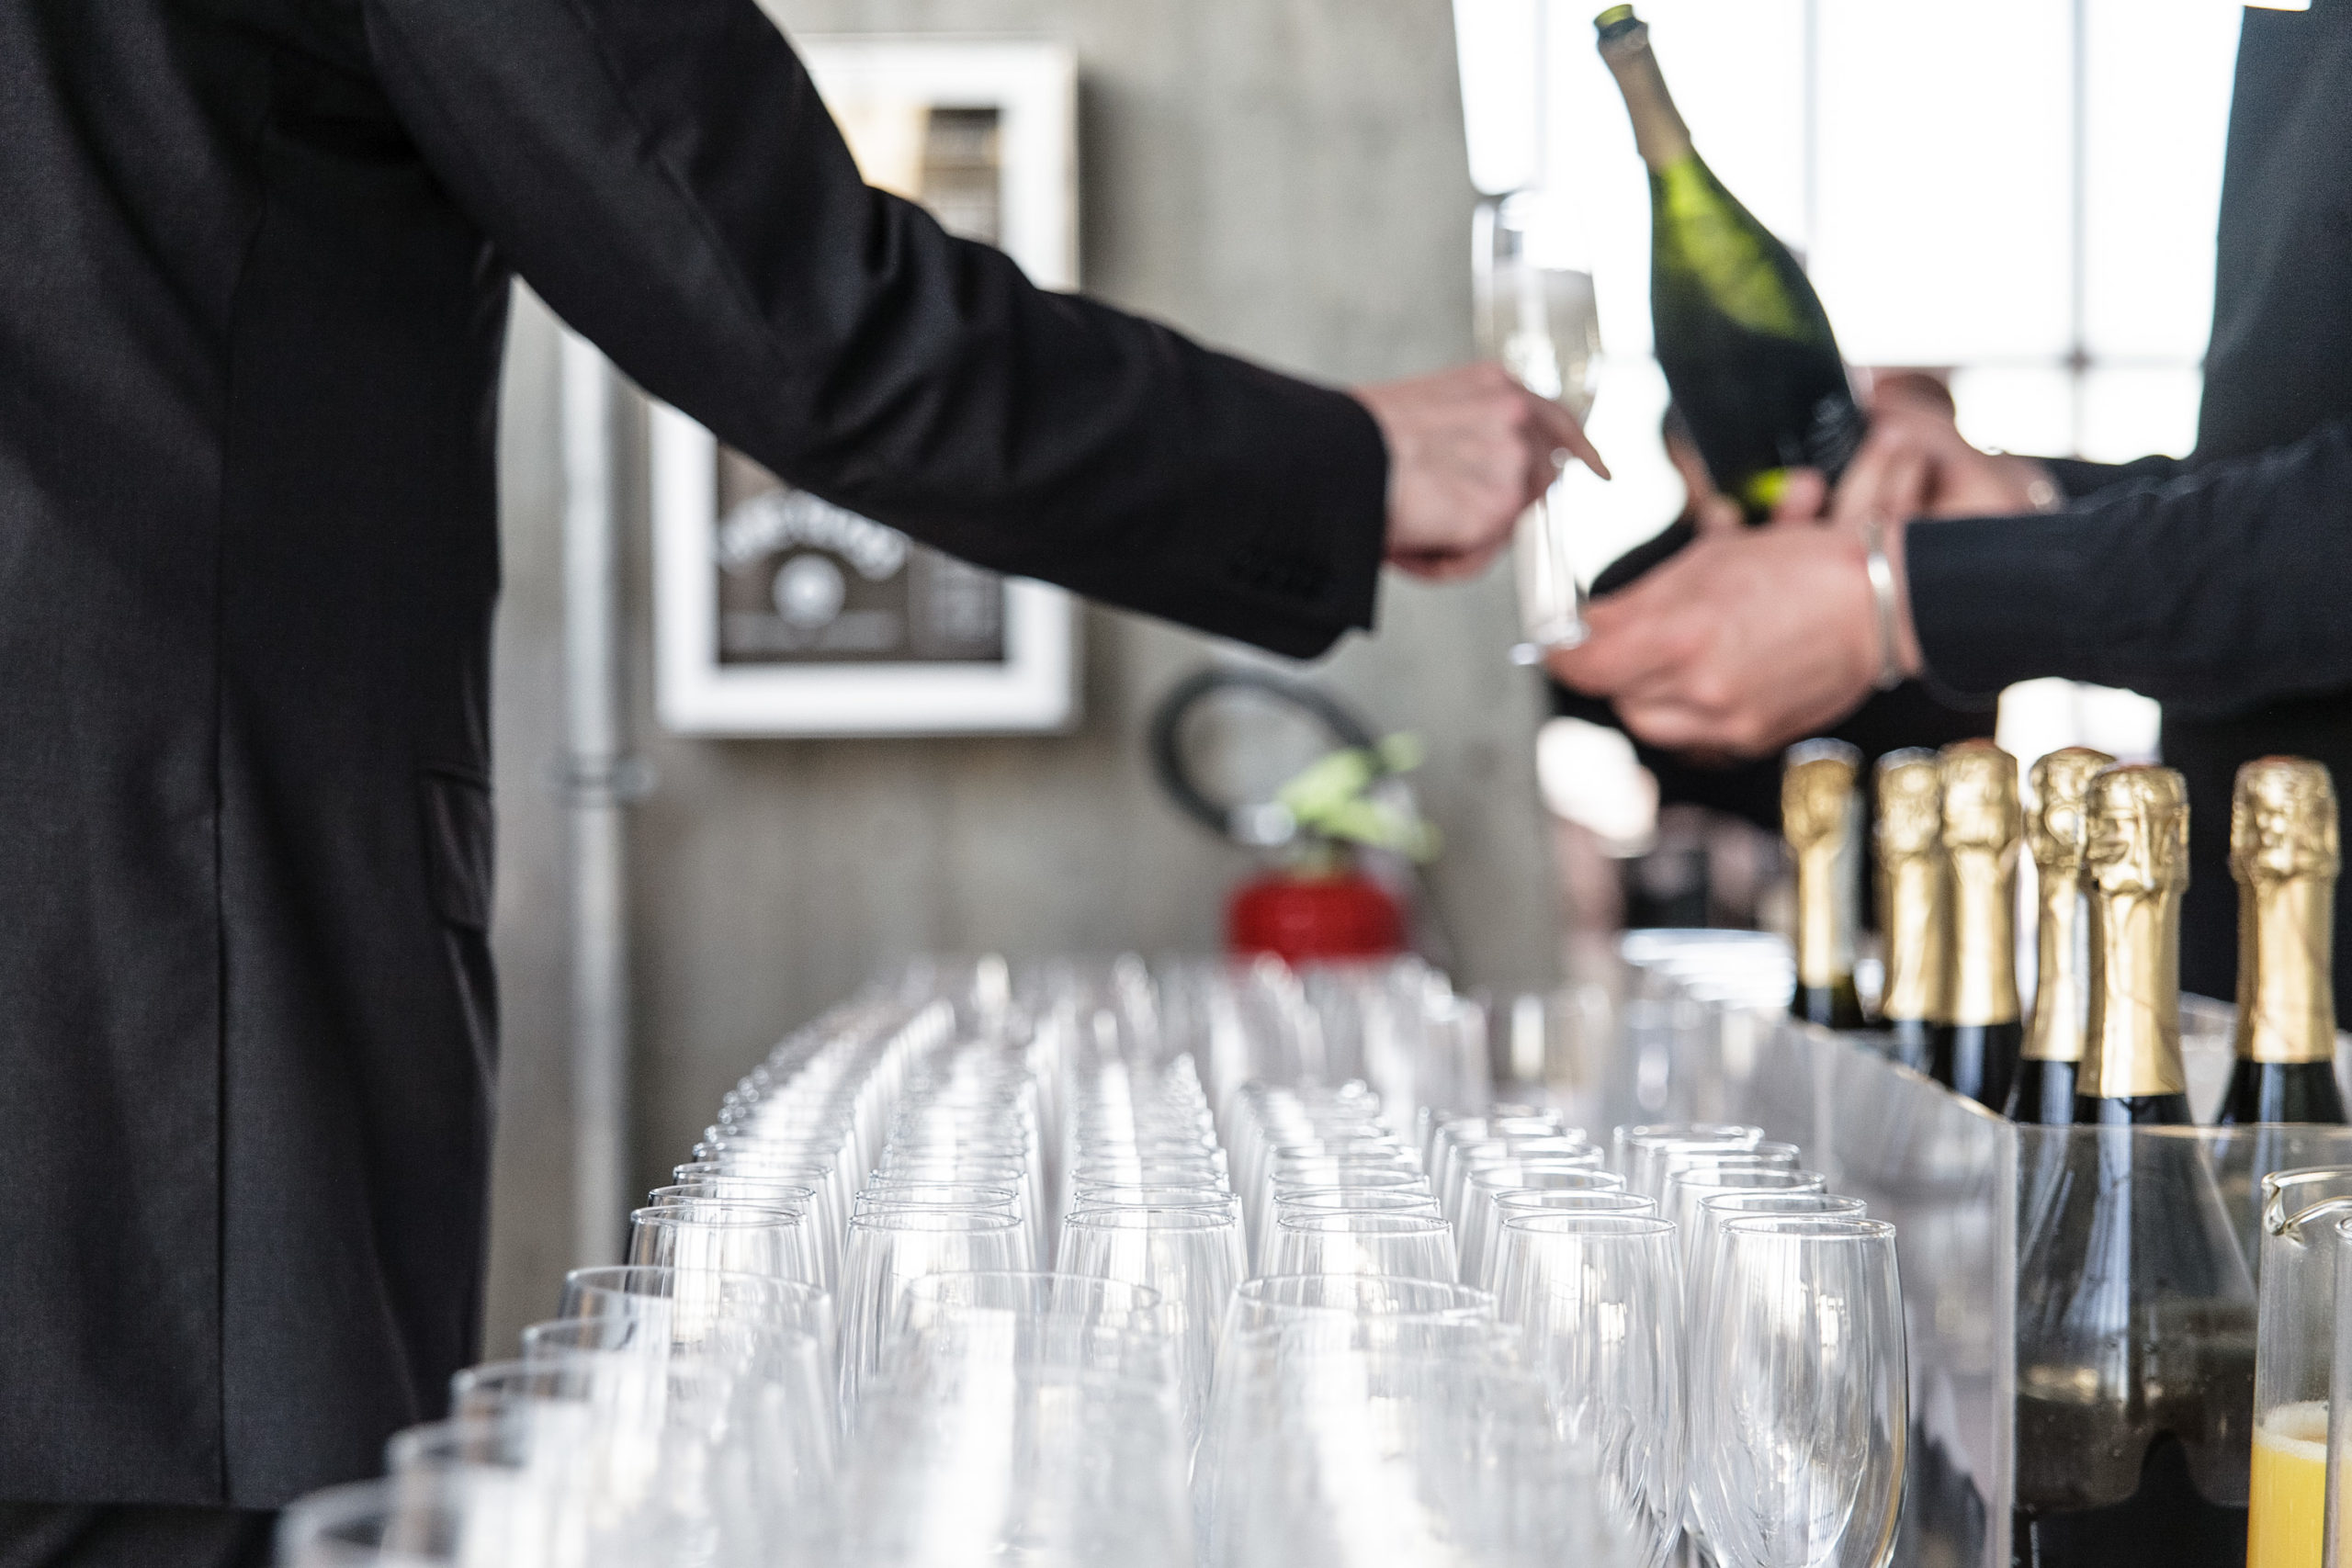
[1541, 321]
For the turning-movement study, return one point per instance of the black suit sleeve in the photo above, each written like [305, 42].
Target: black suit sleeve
[2216, 591]
[664, 175]
[2077, 478]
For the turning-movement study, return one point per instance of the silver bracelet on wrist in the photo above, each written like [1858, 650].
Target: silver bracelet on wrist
[1882, 575]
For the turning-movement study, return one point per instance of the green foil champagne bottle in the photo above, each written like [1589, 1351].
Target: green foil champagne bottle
[2044, 1091]
[2284, 857]
[1742, 339]
[1821, 817]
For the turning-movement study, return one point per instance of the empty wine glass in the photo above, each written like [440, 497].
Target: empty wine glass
[698, 1234]
[1634, 1147]
[889, 1248]
[1192, 1257]
[1499, 1241]
[1416, 1247]
[1717, 1208]
[970, 1461]
[1798, 1390]
[690, 1307]
[1599, 1296]
[1363, 1422]
[1686, 1190]
[1474, 1227]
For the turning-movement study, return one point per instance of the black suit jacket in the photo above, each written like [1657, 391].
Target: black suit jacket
[2216, 584]
[254, 259]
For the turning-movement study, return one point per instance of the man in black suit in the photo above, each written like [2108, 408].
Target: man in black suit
[254, 274]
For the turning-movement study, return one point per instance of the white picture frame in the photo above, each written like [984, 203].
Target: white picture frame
[1031, 86]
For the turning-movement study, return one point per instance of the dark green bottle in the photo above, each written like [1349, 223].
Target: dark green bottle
[1742, 339]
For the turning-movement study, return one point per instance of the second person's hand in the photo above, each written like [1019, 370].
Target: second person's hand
[1915, 463]
[1744, 641]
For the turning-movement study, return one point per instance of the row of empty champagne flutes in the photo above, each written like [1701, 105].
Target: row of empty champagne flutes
[1083, 1319]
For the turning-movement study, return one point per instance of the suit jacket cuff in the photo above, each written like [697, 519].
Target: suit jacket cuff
[1994, 600]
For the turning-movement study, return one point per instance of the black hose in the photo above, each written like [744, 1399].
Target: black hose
[1168, 762]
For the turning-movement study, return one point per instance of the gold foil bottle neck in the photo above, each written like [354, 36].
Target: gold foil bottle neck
[1982, 828]
[2284, 856]
[2056, 830]
[2136, 867]
[1913, 895]
[1819, 816]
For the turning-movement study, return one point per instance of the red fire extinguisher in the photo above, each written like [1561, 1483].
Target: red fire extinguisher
[1301, 912]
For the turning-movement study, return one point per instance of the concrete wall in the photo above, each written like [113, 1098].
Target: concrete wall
[1282, 177]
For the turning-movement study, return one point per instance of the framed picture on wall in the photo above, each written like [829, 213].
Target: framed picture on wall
[777, 612]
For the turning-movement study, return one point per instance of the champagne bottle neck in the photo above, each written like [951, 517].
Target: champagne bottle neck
[2062, 987]
[1917, 906]
[1984, 964]
[1825, 916]
[2285, 992]
[1659, 134]
[2134, 1044]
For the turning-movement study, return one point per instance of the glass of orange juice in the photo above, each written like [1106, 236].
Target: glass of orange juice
[2295, 1358]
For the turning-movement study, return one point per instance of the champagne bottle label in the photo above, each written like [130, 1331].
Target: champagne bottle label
[1914, 902]
[2136, 861]
[2056, 829]
[1982, 829]
[2284, 856]
[1819, 815]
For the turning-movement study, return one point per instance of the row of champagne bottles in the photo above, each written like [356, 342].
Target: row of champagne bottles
[2109, 849]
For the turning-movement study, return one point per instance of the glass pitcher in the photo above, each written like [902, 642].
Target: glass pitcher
[2295, 1348]
[2338, 1520]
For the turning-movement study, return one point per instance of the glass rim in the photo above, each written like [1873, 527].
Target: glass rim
[1113, 1184]
[826, 1172]
[1810, 1227]
[587, 1278]
[894, 1219]
[1151, 1216]
[1648, 1134]
[681, 1191]
[1798, 1180]
[722, 1213]
[1589, 1221]
[556, 1328]
[1172, 1196]
[1735, 1201]
[1488, 1176]
[1373, 1198]
[1573, 1200]
[1366, 1221]
[885, 1186]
